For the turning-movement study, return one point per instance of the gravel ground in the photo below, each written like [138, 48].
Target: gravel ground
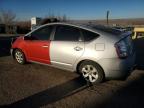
[34, 86]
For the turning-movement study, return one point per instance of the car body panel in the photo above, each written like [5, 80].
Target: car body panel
[116, 68]
[64, 54]
[38, 51]
[19, 43]
[33, 50]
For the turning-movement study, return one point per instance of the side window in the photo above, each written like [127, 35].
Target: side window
[42, 33]
[67, 33]
[88, 35]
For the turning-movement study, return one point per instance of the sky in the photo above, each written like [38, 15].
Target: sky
[75, 9]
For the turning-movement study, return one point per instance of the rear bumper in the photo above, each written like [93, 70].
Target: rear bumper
[116, 68]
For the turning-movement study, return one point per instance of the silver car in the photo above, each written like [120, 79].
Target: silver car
[96, 52]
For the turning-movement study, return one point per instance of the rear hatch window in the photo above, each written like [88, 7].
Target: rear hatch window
[108, 29]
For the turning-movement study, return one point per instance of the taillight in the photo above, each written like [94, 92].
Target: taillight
[121, 49]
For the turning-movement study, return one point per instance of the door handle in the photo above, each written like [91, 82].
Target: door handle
[45, 46]
[77, 48]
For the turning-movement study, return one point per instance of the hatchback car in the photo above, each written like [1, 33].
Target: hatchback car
[96, 52]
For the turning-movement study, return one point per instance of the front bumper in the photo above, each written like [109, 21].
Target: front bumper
[11, 51]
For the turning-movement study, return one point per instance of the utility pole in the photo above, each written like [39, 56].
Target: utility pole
[107, 17]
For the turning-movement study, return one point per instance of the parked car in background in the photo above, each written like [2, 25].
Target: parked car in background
[96, 52]
[138, 32]
[120, 28]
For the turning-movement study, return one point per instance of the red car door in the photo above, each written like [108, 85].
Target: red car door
[38, 44]
[38, 51]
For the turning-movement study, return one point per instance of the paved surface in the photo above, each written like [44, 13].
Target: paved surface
[34, 86]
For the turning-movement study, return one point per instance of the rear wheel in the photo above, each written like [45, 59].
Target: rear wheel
[91, 72]
[19, 56]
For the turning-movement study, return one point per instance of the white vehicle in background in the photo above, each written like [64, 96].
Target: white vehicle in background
[138, 32]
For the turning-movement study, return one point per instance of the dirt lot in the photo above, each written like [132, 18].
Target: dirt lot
[34, 86]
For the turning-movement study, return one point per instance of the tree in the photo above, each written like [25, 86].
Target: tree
[54, 18]
[64, 18]
[7, 17]
[107, 17]
[23, 27]
[0, 20]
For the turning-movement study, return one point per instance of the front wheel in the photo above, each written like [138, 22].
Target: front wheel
[91, 72]
[19, 56]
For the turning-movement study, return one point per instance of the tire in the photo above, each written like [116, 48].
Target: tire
[19, 56]
[91, 72]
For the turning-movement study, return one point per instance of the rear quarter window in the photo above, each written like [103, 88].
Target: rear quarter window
[88, 35]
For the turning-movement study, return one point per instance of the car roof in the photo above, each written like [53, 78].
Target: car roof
[95, 28]
[89, 27]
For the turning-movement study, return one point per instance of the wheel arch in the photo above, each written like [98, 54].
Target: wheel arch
[79, 63]
[13, 50]
[20, 50]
